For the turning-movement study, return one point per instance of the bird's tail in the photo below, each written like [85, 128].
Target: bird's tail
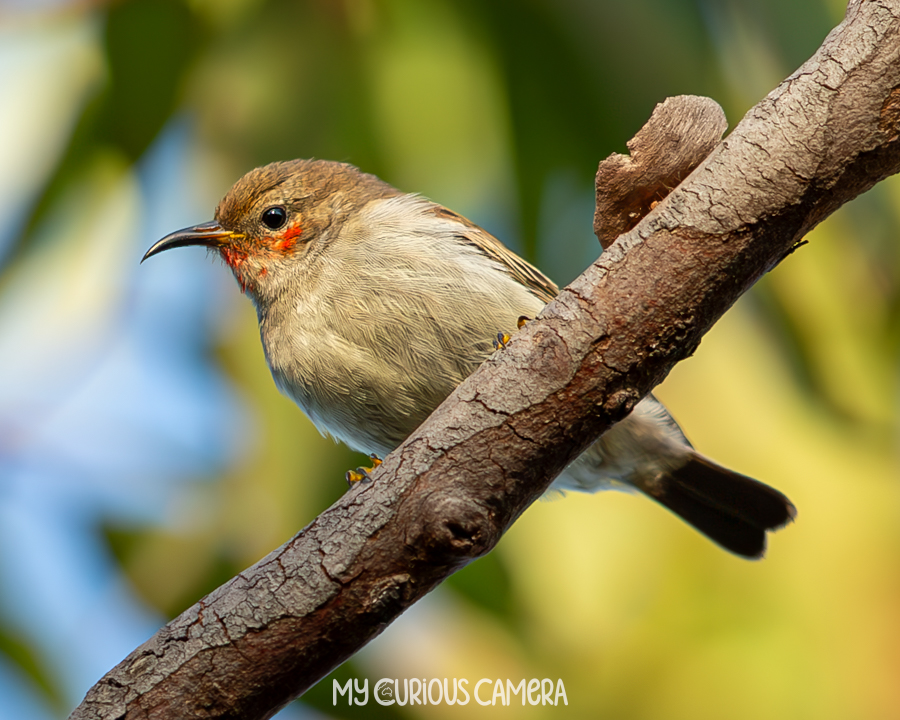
[731, 509]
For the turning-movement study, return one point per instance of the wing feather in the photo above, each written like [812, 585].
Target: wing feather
[525, 273]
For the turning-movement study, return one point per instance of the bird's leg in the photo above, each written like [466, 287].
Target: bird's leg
[361, 473]
[503, 338]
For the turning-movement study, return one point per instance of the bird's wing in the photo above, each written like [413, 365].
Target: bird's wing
[539, 284]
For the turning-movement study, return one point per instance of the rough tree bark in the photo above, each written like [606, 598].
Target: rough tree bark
[826, 134]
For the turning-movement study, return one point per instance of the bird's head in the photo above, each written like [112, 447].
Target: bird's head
[276, 216]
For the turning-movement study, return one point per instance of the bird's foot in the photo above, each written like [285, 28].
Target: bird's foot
[503, 338]
[501, 341]
[362, 473]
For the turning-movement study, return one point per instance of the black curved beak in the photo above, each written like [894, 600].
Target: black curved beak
[209, 234]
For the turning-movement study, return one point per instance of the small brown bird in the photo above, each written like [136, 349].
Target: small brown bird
[374, 305]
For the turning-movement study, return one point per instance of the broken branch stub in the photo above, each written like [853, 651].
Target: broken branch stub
[680, 134]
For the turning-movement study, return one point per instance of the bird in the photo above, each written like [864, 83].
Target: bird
[374, 304]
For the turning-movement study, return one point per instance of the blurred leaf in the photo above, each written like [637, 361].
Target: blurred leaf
[168, 571]
[17, 651]
[149, 45]
[486, 583]
[568, 68]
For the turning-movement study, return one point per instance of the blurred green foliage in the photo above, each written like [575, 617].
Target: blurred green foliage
[18, 651]
[491, 108]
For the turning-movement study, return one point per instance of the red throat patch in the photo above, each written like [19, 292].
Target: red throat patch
[235, 259]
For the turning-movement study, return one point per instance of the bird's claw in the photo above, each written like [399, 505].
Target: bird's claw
[354, 476]
[362, 473]
[503, 338]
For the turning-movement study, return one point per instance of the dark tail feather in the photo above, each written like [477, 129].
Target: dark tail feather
[731, 509]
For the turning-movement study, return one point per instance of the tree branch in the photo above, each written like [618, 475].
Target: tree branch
[826, 134]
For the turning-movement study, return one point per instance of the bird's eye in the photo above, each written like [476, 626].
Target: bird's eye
[274, 217]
